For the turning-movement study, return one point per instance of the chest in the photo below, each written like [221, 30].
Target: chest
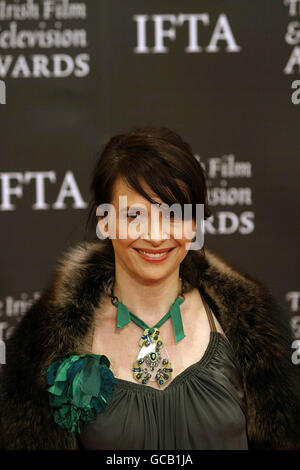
[121, 346]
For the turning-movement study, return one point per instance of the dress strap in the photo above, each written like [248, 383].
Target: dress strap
[209, 314]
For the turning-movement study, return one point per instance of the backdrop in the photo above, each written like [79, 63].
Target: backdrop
[223, 74]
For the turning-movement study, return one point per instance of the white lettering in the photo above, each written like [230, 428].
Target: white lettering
[40, 63]
[141, 34]
[293, 60]
[161, 33]
[7, 191]
[296, 94]
[227, 223]
[227, 167]
[292, 36]
[4, 65]
[82, 64]
[21, 68]
[14, 39]
[193, 29]
[40, 177]
[222, 32]
[2, 92]
[69, 188]
[293, 4]
[293, 297]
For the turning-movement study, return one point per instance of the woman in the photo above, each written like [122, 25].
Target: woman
[133, 349]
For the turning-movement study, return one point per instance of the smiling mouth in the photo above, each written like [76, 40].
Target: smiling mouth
[154, 254]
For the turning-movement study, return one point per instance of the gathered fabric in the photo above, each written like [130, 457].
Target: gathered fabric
[80, 385]
[202, 408]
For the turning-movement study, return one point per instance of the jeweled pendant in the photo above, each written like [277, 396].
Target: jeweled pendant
[152, 363]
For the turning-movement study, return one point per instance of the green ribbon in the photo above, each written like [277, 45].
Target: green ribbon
[80, 385]
[124, 316]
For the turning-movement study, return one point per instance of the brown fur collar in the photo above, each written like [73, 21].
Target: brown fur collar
[61, 321]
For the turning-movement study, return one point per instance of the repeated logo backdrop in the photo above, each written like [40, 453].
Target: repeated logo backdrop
[223, 74]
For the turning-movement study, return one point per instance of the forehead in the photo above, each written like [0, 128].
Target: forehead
[121, 188]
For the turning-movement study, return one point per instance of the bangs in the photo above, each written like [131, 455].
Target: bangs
[168, 189]
[154, 162]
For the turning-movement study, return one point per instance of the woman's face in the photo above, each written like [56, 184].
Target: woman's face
[137, 264]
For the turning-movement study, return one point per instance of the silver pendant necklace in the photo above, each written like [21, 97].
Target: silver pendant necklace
[152, 363]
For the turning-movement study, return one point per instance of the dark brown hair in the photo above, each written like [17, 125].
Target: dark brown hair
[158, 156]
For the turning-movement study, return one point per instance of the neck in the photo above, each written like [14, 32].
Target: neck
[149, 300]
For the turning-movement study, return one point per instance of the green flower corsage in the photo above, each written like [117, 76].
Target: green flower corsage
[79, 387]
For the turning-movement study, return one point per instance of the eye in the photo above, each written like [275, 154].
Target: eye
[134, 214]
[176, 217]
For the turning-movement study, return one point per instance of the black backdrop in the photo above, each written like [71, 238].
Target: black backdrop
[220, 73]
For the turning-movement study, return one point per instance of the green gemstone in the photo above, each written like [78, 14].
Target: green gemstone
[153, 356]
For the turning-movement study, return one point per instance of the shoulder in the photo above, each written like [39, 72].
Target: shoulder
[259, 331]
[256, 303]
[62, 315]
[219, 267]
[248, 312]
[239, 299]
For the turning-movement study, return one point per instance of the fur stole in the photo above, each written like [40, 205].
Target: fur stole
[60, 323]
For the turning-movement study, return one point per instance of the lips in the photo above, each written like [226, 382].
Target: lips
[154, 251]
[154, 256]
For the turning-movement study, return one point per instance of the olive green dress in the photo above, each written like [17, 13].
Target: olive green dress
[203, 408]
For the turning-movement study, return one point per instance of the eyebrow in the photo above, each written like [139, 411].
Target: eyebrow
[132, 207]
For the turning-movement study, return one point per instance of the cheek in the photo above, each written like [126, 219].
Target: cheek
[131, 229]
[188, 230]
[183, 232]
[121, 245]
[180, 255]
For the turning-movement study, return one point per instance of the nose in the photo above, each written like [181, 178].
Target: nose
[157, 230]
